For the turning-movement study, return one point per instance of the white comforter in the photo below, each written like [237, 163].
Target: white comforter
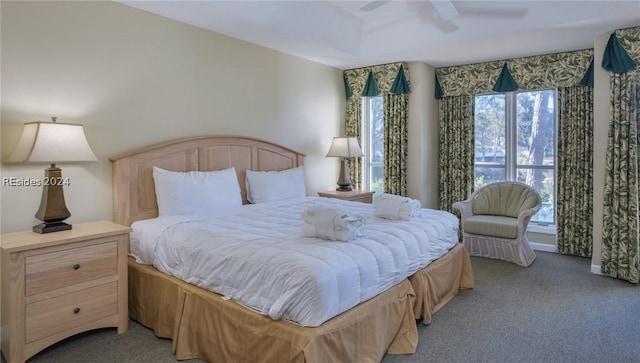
[257, 256]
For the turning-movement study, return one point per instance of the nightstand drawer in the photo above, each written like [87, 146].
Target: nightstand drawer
[68, 267]
[352, 195]
[49, 317]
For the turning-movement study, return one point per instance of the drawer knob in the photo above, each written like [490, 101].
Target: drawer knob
[76, 310]
[76, 266]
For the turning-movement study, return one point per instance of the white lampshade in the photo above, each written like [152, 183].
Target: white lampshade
[52, 142]
[345, 147]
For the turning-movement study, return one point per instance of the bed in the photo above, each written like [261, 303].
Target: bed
[203, 324]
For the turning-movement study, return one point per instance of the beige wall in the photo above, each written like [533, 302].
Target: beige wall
[423, 163]
[133, 78]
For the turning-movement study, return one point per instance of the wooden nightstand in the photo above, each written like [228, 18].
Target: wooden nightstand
[59, 284]
[354, 195]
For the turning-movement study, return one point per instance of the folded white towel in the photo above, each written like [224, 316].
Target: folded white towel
[331, 223]
[335, 216]
[337, 234]
[391, 206]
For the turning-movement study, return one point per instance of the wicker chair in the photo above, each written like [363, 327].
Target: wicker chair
[495, 220]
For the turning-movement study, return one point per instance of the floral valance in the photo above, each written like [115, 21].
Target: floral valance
[388, 78]
[537, 72]
[630, 40]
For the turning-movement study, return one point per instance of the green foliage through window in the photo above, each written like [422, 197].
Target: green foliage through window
[373, 143]
[515, 140]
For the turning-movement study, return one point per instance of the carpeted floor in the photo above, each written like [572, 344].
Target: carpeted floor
[554, 311]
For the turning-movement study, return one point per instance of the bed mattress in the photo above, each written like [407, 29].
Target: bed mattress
[256, 255]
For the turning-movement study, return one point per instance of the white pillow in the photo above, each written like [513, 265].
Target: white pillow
[269, 186]
[196, 191]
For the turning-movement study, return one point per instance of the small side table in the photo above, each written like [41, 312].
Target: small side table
[353, 195]
[59, 284]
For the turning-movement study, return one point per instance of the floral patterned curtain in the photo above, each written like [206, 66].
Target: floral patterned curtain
[456, 115]
[621, 238]
[395, 143]
[352, 127]
[456, 149]
[530, 73]
[395, 118]
[575, 171]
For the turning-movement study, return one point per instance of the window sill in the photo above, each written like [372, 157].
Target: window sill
[542, 228]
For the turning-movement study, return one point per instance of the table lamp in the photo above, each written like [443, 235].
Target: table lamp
[345, 148]
[52, 142]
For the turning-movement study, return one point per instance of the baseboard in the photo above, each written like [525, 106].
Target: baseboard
[596, 269]
[545, 247]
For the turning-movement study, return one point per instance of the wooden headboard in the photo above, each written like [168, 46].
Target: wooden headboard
[134, 195]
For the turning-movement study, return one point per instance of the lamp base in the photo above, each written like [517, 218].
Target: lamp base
[53, 209]
[344, 188]
[51, 227]
[344, 181]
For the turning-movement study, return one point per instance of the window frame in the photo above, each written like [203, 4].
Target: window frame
[366, 134]
[511, 166]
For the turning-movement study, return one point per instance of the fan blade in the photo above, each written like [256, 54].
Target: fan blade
[445, 9]
[446, 26]
[495, 13]
[374, 5]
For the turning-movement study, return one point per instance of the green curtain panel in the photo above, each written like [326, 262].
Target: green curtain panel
[456, 150]
[620, 229]
[347, 89]
[538, 72]
[392, 82]
[352, 127]
[587, 80]
[505, 82]
[615, 58]
[438, 88]
[400, 84]
[575, 171]
[396, 140]
[371, 87]
[620, 242]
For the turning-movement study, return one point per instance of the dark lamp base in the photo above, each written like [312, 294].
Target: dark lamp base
[344, 188]
[53, 211]
[51, 227]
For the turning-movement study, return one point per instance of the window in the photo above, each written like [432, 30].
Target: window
[515, 140]
[373, 144]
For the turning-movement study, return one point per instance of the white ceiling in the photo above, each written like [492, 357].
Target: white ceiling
[342, 35]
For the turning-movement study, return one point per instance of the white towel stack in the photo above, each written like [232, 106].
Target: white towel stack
[332, 224]
[391, 206]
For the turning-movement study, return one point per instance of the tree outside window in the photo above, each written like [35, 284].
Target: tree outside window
[373, 143]
[515, 140]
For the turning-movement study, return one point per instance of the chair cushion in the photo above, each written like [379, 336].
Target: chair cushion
[497, 226]
[504, 199]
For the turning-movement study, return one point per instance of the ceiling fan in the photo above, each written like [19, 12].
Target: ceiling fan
[446, 11]
[445, 8]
